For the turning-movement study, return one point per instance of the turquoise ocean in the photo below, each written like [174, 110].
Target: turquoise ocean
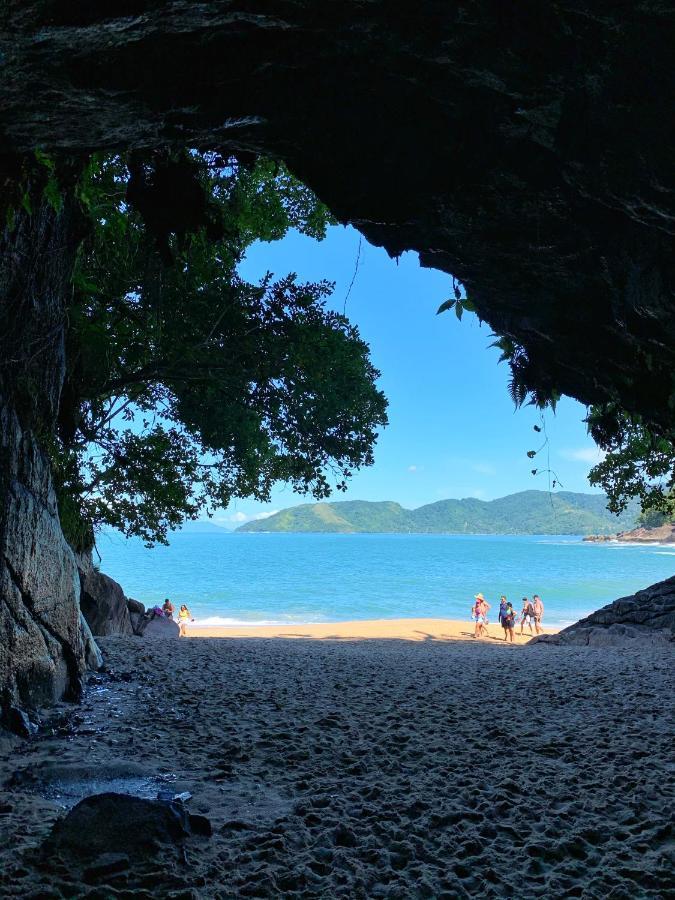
[230, 578]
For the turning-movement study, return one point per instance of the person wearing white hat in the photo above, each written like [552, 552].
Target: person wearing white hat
[479, 613]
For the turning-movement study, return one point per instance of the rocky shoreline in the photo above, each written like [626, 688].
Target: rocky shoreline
[664, 534]
[644, 618]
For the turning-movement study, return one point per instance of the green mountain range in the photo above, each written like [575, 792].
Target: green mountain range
[528, 512]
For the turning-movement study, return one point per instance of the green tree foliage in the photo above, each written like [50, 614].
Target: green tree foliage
[187, 386]
[639, 464]
[653, 518]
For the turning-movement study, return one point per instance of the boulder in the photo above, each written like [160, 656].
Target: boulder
[644, 618]
[137, 615]
[18, 721]
[92, 654]
[135, 606]
[103, 604]
[121, 823]
[160, 628]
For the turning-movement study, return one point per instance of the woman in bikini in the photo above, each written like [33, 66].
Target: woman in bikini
[479, 613]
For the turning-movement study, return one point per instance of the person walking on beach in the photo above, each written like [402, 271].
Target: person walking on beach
[526, 615]
[538, 610]
[485, 606]
[184, 616]
[479, 613]
[502, 610]
[509, 621]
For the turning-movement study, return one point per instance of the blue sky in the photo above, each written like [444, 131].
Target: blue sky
[453, 430]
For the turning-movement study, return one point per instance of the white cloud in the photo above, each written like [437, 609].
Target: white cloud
[266, 515]
[238, 517]
[412, 468]
[590, 455]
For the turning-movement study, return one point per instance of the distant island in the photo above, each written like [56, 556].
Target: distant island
[527, 512]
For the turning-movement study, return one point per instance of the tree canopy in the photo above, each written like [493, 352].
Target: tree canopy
[638, 463]
[187, 386]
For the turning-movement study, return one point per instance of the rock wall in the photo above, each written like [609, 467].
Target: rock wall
[42, 652]
[41, 648]
[104, 605]
[102, 600]
[645, 617]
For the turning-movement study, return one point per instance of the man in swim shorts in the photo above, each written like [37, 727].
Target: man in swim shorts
[538, 610]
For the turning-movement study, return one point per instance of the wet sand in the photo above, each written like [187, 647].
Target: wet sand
[366, 768]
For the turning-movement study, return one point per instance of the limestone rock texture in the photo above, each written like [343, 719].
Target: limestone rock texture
[524, 148]
[42, 652]
[645, 617]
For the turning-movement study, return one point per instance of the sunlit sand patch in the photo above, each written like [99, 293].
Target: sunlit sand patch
[375, 629]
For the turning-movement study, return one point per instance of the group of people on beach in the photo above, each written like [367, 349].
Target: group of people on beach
[532, 613]
[184, 616]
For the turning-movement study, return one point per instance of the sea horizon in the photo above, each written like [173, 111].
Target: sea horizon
[310, 578]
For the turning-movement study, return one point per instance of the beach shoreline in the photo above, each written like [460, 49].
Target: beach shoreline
[417, 629]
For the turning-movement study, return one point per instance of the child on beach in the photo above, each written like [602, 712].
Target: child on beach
[184, 616]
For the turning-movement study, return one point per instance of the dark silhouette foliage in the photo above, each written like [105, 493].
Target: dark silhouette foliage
[187, 386]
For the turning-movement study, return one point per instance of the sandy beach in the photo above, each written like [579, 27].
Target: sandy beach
[389, 767]
[374, 629]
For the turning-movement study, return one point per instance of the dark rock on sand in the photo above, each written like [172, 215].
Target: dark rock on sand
[135, 606]
[137, 615]
[106, 865]
[103, 604]
[200, 825]
[18, 722]
[161, 628]
[646, 617]
[92, 654]
[123, 824]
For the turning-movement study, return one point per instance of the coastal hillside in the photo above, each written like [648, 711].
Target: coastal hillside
[527, 512]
